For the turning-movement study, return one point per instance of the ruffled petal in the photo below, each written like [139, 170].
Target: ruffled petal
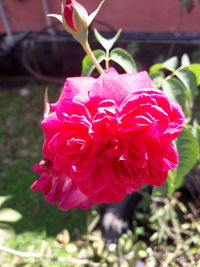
[106, 138]
[57, 188]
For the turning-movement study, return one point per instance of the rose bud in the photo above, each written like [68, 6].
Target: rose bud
[75, 17]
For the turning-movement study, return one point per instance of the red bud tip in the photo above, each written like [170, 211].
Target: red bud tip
[69, 14]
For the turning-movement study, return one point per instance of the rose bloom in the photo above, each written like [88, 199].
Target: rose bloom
[58, 188]
[111, 135]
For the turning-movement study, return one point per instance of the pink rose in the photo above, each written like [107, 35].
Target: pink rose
[58, 188]
[113, 134]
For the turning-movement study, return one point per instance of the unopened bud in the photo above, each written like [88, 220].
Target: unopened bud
[76, 20]
[75, 17]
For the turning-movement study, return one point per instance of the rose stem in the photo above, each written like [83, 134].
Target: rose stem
[107, 59]
[90, 54]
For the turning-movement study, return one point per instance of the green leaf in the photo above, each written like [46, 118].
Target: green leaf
[171, 64]
[154, 69]
[188, 151]
[167, 189]
[161, 190]
[196, 133]
[3, 199]
[188, 78]
[9, 215]
[94, 13]
[170, 182]
[124, 59]
[132, 48]
[195, 68]
[107, 43]
[175, 90]
[88, 66]
[6, 231]
[185, 60]
[157, 78]
[58, 17]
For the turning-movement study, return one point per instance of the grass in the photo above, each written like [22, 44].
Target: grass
[21, 140]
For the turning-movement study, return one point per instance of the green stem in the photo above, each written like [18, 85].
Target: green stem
[88, 51]
[171, 75]
[107, 59]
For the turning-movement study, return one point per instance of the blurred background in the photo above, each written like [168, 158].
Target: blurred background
[39, 46]
[36, 53]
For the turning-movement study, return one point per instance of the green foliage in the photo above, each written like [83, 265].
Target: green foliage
[196, 133]
[124, 59]
[133, 48]
[3, 199]
[185, 60]
[195, 68]
[178, 235]
[117, 55]
[88, 66]
[107, 43]
[7, 215]
[189, 81]
[165, 234]
[188, 150]
[169, 64]
[174, 89]
[171, 234]
[181, 84]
